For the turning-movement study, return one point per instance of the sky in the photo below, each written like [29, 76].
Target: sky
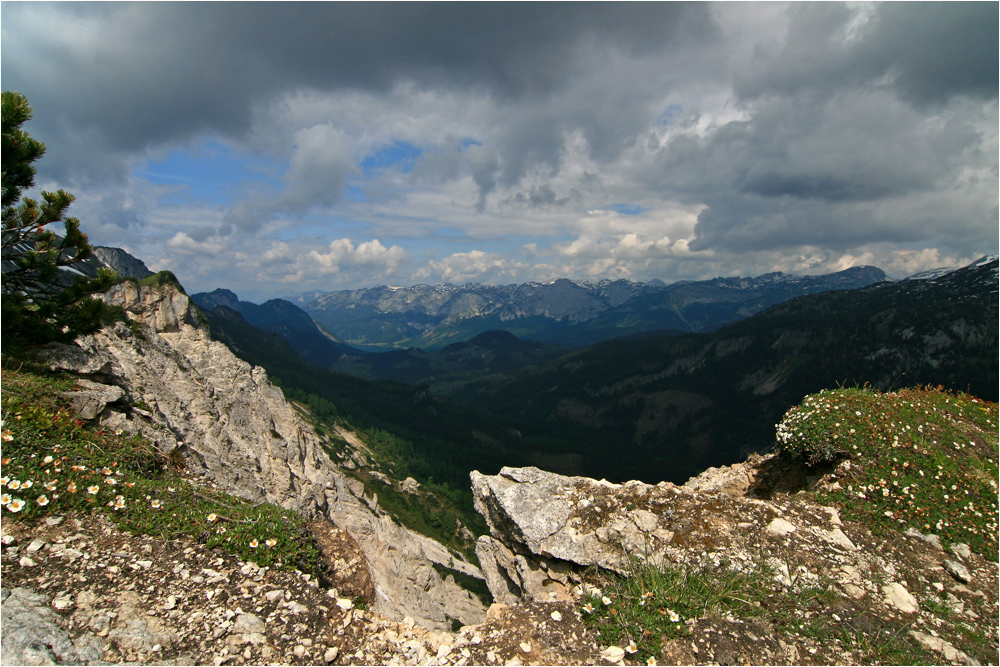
[281, 148]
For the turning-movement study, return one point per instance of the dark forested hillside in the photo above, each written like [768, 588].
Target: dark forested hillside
[489, 354]
[282, 317]
[664, 407]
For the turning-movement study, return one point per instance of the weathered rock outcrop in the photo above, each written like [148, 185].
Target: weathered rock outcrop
[232, 425]
[32, 634]
[546, 529]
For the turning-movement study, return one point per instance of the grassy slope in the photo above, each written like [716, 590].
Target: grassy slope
[919, 458]
[54, 463]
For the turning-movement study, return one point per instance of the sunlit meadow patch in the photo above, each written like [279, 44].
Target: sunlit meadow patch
[641, 612]
[53, 463]
[920, 458]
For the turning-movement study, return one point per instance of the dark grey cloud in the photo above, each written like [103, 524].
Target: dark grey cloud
[803, 170]
[138, 75]
[926, 51]
[849, 113]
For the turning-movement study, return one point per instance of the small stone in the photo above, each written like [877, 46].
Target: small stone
[946, 650]
[296, 607]
[556, 616]
[331, 654]
[63, 602]
[962, 550]
[958, 571]
[85, 599]
[900, 598]
[613, 654]
[170, 603]
[834, 515]
[930, 539]
[526, 647]
[35, 546]
[838, 538]
[345, 604]
[144, 564]
[249, 623]
[8, 540]
[779, 527]
[299, 650]
[271, 596]
[26, 562]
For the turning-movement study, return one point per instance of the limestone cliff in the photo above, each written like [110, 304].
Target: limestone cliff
[183, 390]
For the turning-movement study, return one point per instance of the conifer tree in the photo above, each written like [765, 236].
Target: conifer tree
[43, 299]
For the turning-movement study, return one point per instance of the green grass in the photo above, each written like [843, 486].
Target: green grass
[653, 605]
[643, 611]
[921, 458]
[53, 463]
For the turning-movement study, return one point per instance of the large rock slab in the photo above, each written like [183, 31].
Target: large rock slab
[33, 634]
[575, 519]
[544, 528]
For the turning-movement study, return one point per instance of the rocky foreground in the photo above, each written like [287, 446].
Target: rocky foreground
[78, 591]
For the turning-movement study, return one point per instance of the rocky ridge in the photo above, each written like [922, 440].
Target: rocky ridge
[235, 429]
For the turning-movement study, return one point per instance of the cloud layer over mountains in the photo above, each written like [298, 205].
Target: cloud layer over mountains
[280, 147]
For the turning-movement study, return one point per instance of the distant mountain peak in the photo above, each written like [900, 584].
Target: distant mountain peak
[560, 311]
[122, 262]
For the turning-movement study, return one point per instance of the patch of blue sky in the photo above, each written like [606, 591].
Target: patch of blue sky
[212, 173]
[322, 229]
[627, 209]
[450, 233]
[399, 155]
[353, 193]
[669, 114]
[465, 142]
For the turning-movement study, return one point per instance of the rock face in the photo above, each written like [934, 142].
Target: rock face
[233, 426]
[32, 634]
[121, 262]
[546, 529]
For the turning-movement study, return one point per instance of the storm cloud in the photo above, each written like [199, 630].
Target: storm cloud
[359, 142]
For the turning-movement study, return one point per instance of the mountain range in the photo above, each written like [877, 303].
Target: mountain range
[564, 311]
